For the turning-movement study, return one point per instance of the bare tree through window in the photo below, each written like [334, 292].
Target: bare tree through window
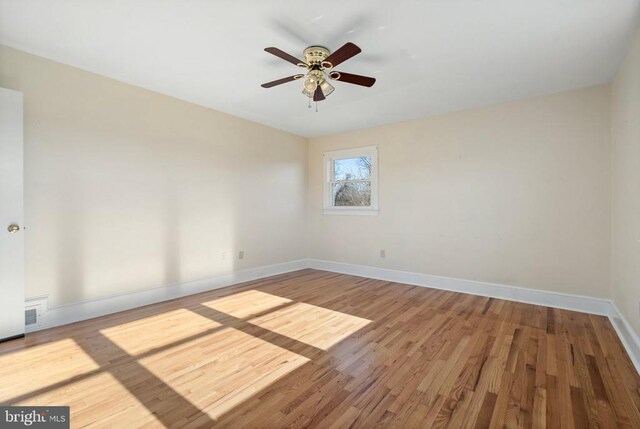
[352, 182]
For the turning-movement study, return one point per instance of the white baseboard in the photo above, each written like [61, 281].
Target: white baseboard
[584, 304]
[581, 303]
[61, 315]
[627, 334]
[64, 314]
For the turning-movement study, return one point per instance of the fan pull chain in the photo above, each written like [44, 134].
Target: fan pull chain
[309, 102]
[316, 107]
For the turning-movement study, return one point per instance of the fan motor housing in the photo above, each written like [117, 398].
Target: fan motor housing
[315, 55]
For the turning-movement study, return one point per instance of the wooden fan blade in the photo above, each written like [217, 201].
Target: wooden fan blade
[282, 54]
[352, 78]
[318, 95]
[341, 55]
[281, 81]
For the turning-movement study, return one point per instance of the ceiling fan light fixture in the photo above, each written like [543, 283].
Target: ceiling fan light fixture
[310, 83]
[318, 59]
[326, 88]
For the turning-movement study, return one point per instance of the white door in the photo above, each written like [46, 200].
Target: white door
[11, 216]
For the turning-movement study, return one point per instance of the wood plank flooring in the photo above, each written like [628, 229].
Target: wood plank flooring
[315, 349]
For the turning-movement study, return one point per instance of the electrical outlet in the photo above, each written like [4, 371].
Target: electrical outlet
[383, 253]
[241, 254]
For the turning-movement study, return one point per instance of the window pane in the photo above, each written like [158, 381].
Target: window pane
[352, 194]
[352, 168]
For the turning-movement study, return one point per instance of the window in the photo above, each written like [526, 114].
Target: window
[351, 181]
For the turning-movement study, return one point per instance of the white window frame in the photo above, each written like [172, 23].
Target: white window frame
[329, 157]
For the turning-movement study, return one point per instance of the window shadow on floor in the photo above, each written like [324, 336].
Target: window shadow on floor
[165, 403]
[319, 333]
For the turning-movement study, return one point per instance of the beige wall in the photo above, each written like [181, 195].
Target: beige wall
[517, 194]
[128, 189]
[625, 138]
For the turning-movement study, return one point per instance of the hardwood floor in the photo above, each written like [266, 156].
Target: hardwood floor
[317, 349]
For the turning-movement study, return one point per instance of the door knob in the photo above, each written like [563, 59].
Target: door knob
[13, 228]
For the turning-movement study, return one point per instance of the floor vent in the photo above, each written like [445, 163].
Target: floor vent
[30, 317]
[35, 310]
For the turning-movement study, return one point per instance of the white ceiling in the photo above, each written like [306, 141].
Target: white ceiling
[429, 56]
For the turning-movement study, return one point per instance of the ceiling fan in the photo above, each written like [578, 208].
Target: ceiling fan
[317, 59]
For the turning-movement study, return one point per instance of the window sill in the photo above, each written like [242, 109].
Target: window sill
[351, 212]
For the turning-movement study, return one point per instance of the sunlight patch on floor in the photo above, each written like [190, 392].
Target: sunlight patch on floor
[142, 335]
[247, 303]
[48, 364]
[310, 324]
[217, 372]
[99, 400]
